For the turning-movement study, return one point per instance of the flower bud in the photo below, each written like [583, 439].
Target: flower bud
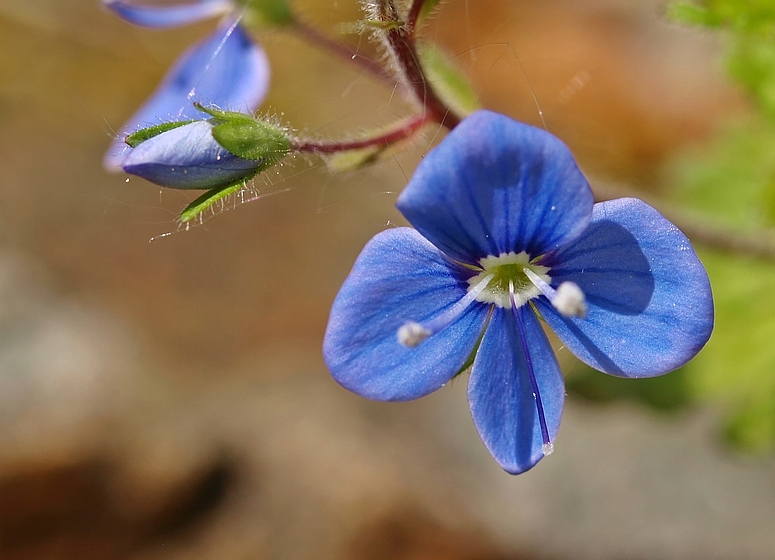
[205, 154]
[248, 137]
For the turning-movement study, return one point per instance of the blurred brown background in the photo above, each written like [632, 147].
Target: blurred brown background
[167, 399]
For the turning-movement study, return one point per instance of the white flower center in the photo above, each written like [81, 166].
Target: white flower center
[508, 269]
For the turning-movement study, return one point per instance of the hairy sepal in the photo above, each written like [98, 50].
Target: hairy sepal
[248, 137]
[137, 138]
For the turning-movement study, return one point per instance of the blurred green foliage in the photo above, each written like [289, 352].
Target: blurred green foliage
[732, 177]
[741, 16]
[731, 181]
[667, 393]
[737, 369]
[750, 28]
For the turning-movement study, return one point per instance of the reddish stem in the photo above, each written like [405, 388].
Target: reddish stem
[403, 49]
[313, 36]
[414, 14]
[406, 130]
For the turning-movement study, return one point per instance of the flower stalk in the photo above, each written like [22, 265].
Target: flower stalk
[400, 42]
[414, 15]
[403, 48]
[342, 51]
[404, 131]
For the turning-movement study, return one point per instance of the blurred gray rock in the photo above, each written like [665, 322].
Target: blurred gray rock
[64, 370]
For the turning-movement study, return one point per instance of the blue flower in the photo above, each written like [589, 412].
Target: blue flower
[506, 236]
[227, 69]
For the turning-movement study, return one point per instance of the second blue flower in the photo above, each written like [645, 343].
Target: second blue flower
[507, 235]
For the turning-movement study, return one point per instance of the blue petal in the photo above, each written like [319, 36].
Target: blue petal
[650, 301]
[501, 395]
[495, 185]
[228, 70]
[188, 157]
[398, 277]
[168, 16]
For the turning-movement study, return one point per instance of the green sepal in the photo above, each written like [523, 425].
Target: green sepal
[425, 11]
[140, 136]
[247, 137]
[253, 139]
[209, 198]
[447, 80]
[268, 13]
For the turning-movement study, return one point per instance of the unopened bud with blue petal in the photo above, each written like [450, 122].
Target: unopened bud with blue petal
[227, 69]
[208, 154]
[148, 14]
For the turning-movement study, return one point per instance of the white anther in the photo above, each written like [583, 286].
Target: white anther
[569, 300]
[411, 334]
[547, 449]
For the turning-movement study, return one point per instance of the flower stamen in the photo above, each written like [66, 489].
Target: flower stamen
[548, 447]
[509, 268]
[411, 333]
[568, 298]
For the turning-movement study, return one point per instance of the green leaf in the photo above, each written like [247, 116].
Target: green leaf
[137, 138]
[447, 80]
[208, 199]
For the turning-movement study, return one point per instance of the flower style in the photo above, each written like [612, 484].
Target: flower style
[507, 234]
[227, 69]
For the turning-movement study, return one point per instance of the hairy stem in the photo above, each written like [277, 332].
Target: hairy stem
[414, 14]
[405, 130]
[401, 45]
[315, 37]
